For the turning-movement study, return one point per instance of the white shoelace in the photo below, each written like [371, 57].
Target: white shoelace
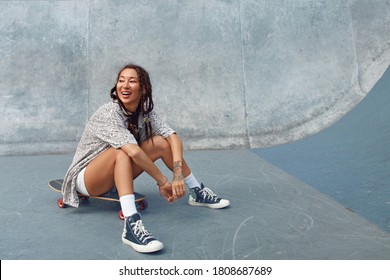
[207, 193]
[140, 231]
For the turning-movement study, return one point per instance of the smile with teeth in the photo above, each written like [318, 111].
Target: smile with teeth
[126, 93]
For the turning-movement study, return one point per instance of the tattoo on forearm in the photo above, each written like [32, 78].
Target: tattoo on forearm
[178, 170]
[177, 167]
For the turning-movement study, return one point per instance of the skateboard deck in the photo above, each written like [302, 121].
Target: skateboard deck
[112, 195]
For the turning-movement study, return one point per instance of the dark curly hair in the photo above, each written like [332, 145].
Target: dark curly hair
[145, 105]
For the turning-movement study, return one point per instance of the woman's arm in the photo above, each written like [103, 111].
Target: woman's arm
[178, 186]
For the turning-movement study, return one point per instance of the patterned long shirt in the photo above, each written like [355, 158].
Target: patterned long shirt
[108, 127]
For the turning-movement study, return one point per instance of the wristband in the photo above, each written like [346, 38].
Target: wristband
[159, 185]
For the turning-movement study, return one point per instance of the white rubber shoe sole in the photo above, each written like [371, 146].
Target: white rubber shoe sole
[222, 203]
[153, 246]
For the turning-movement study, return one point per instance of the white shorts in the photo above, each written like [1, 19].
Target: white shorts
[80, 185]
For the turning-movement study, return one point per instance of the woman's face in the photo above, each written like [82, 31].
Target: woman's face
[128, 89]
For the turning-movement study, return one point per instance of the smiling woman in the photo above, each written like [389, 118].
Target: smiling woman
[122, 139]
[127, 89]
[133, 92]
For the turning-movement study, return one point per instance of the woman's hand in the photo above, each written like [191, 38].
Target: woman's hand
[166, 191]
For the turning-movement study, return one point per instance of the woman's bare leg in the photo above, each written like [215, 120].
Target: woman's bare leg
[111, 167]
[115, 167]
[160, 148]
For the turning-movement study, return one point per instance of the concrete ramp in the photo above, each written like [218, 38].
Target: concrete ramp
[350, 160]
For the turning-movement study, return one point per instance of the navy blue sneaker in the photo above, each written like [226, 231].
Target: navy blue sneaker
[205, 197]
[136, 236]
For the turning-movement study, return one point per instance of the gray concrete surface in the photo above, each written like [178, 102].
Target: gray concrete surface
[239, 73]
[272, 215]
[350, 160]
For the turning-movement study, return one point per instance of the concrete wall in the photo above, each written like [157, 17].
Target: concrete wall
[225, 73]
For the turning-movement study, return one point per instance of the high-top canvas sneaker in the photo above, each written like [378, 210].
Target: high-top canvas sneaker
[136, 236]
[205, 197]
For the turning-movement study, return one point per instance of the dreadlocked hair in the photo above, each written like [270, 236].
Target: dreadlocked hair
[145, 106]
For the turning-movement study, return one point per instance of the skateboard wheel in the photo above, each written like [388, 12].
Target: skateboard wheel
[61, 203]
[142, 205]
[120, 215]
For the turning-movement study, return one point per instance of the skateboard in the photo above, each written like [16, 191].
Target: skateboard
[112, 195]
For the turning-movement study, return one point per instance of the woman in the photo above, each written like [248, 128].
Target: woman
[122, 139]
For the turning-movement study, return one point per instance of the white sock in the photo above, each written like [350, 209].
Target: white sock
[128, 205]
[191, 181]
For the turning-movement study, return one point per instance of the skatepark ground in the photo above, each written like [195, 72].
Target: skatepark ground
[324, 197]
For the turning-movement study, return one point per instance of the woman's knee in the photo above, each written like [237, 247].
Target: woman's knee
[158, 143]
[121, 156]
[161, 143]
[157, 148]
